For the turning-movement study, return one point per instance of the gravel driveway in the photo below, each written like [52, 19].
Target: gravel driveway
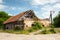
[7, 36]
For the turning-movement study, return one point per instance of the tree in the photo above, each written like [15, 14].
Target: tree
[3, 16]
[57, 20]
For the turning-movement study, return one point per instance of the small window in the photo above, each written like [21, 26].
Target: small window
[26, 25]
[32, 24]
[43, 25]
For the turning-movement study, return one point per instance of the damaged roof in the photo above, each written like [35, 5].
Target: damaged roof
[15, 18]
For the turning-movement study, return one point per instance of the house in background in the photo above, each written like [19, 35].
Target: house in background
[46, 22]
[23, 20]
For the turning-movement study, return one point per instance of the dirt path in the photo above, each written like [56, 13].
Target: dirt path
[7, 36]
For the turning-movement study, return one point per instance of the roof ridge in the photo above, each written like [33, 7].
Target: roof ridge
[15, 18]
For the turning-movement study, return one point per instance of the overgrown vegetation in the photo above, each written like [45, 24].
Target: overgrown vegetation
[35, 27]
[48, 31]
[56, 20]
[16, 28]
[3, 16]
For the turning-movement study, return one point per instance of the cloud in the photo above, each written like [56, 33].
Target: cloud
[51, 7]
[10, 14]
[57, 5]
[46, 15]
[46, 10]
[42, 2]
[1, 1]
[2, 6]
[37, 5]
[45, 6]
[13, 8]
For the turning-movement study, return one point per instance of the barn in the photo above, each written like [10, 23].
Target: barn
[23, 20]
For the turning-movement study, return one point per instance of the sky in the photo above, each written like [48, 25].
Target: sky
[41, 8]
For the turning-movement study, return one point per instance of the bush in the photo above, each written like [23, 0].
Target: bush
[37, 26]
[31, 30]
[53, 31]
[45, 31]
[17, 28]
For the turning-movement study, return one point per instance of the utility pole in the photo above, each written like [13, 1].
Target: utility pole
[51, 12]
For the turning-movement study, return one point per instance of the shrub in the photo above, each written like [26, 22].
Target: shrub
[31, 30]
[45, 31]
[37, 26]
[17, 28]
[53, 31]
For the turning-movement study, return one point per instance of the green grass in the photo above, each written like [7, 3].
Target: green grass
[37, 26]
[15, 32]
[50, 31]
[58, 30]
[45, 31]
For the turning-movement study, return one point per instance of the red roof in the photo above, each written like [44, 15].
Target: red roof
[15, 18]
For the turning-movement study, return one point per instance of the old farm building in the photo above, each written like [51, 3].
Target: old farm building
[23, 20]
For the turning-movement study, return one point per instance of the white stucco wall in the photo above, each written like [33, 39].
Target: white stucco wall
[28, 23]
[45, 23]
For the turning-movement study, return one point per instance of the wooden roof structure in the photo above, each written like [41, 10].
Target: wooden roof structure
[15, 18]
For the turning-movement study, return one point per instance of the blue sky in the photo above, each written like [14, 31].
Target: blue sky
[41, 8]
